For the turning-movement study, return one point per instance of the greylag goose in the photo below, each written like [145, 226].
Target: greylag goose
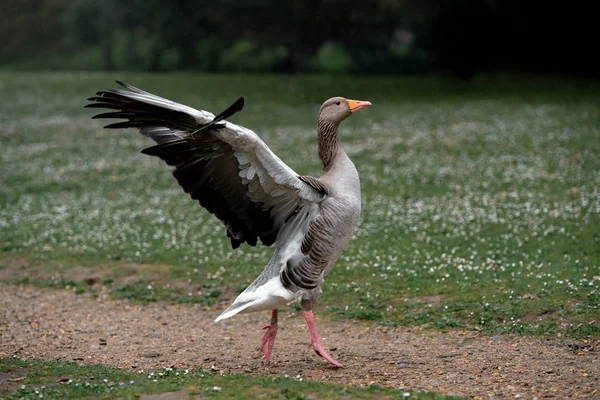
[236, 177]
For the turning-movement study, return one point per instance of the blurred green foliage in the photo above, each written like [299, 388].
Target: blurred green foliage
[370, 36]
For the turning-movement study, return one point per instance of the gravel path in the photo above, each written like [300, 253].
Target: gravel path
[49, 324]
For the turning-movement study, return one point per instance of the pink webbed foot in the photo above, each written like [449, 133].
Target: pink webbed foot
[268, 339]
[315, 340]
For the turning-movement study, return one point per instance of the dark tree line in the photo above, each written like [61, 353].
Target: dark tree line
[372, 36]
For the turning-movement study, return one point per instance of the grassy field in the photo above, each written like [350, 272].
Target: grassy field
[481, 210]
[60, 380]
[481, 202]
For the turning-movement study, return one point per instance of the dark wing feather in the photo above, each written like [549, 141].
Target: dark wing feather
[315, 183]
[211, 177]
[227, 168]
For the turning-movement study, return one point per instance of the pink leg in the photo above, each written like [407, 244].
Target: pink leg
[315, 340]
[266, 345]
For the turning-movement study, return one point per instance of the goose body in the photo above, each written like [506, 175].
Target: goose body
[328, 225]
[235, 176]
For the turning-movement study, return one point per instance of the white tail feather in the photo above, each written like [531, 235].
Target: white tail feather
[232, 310]
[268, 296]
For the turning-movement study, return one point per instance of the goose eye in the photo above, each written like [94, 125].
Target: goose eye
[338, 103]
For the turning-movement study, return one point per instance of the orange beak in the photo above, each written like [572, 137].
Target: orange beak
[356, 105]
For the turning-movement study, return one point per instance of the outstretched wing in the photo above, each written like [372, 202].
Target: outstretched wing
[226, 167]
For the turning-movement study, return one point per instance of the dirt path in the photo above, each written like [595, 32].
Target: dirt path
[48, 324]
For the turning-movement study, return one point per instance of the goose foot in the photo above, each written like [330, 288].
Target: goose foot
[315, 340]
[268, 339]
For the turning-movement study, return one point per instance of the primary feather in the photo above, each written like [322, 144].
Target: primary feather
[227, 168]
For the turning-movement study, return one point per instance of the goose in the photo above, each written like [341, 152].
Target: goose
[234, 175]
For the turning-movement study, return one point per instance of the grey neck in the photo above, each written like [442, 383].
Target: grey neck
[328, 142]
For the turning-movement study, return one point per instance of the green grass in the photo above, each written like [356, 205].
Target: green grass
[21, 379]
[481, 203]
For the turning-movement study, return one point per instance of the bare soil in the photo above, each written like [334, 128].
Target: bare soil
[60, 325]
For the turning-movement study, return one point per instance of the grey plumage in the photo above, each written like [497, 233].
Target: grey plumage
[330, 231]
